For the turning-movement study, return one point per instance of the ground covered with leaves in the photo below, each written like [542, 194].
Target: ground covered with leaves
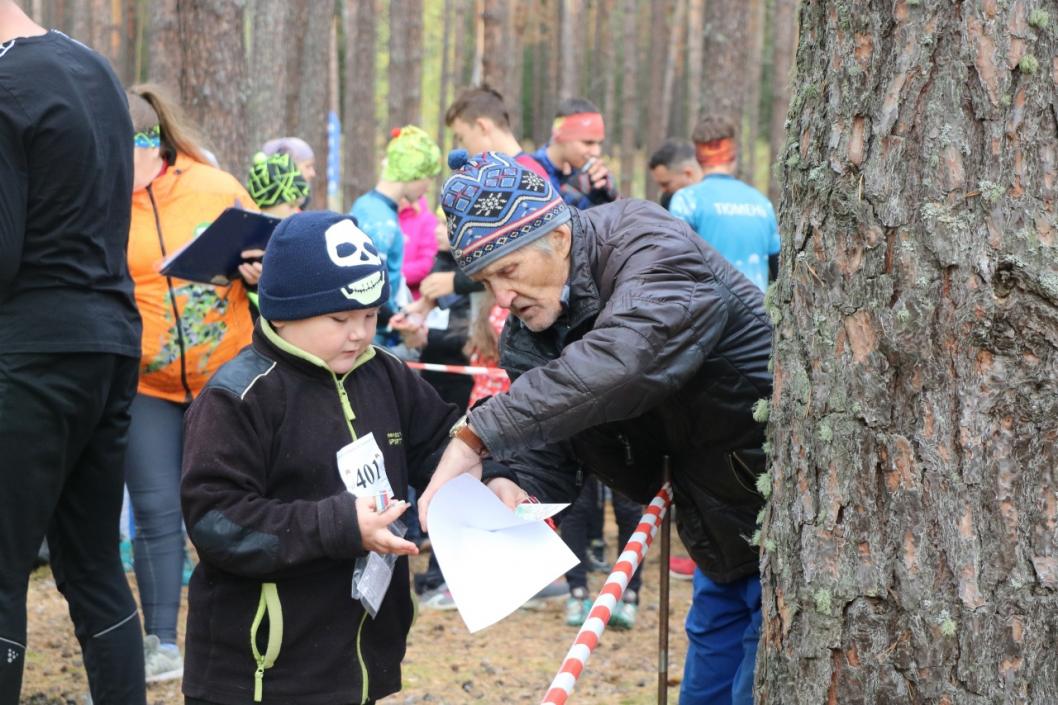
[510, 662]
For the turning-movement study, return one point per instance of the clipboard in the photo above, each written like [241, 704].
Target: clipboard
[214, 256]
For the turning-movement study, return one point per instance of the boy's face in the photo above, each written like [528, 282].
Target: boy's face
[336, 338]
[577, 152]
[474, 136]
[414, 190]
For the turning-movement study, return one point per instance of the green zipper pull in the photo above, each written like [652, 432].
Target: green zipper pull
[258, 684]
[347, 408]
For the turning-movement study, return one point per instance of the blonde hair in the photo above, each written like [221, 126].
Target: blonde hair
[150, 105]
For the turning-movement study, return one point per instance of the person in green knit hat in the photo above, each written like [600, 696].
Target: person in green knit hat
[412, 160]
[276, 184]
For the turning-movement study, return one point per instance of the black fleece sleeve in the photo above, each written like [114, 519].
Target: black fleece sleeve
[426, 420]
[231, 520]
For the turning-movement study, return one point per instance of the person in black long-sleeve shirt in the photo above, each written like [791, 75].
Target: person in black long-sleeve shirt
[69, 347]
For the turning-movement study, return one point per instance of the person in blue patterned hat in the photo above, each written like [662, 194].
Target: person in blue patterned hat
[631, 339]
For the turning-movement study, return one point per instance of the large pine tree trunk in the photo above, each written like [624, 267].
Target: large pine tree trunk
[784, 37]
[910, 544]
[211, 33]
[405, 62]
[359, 126]
[572, 35]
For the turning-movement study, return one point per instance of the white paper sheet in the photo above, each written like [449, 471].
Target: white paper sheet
[493, 561]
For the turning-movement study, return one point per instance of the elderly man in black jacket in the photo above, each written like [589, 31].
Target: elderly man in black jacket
[631, 339]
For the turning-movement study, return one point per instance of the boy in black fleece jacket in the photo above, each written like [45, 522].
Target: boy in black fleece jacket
[287, 448]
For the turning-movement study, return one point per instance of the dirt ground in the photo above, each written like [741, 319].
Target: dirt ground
[510, 662]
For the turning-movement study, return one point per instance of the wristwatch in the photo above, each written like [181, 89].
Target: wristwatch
[463, 432]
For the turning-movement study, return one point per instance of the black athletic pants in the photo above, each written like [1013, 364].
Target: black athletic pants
[63, 425]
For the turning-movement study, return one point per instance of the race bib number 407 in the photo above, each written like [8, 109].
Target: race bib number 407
[363, 469]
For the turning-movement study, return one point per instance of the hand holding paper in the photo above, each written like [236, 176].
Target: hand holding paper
[493, 560]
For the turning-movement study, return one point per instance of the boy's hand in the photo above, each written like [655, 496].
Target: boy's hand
[374, 527]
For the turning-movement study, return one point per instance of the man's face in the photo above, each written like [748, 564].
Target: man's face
[672, 180]
[473, 136]
[529, 281]
[577, 152]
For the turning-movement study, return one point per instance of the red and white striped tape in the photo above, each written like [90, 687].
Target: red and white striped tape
[458, 369]
[588, 636]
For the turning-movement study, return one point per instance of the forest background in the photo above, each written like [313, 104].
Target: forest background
[342, 74]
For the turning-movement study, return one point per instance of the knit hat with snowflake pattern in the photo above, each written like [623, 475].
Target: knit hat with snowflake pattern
[495, 206]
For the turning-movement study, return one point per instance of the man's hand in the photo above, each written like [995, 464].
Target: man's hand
[374, 527]
[457, 459]
[509, 493]
[250, 270]
[438, 284]
[598, 174]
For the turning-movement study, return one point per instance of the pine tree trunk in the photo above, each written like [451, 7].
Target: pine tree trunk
[747, 163]
[783, 46]
[165, 55]
[359, 122]
[629, 117]
[445, 82]
[269, 78]
[495, 65]
[910, 549]
[654, 129]
[695, 49]
[313, 89]
[570, 49]
[405, 62]
[211, 32]
[608, 68]
[724, 56]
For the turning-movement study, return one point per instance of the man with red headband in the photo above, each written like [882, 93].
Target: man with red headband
[732, 216]
[573, 156]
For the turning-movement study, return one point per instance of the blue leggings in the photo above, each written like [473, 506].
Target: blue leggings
[152, 473]
[723, 628]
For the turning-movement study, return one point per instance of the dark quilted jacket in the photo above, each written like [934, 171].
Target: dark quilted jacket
[663, 349]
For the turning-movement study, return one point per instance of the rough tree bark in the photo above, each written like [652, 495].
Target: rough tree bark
[445, 82]
[630, 116]
[784, 40]
[695, 60]
[911, 540]
[495, 56]
[747, 164]
[572, 36]
[269, 78]
[723, 51]
[405, 62]
[165, 54]
[653, 128]
[313, 91]
[213, 81]
[359, 125]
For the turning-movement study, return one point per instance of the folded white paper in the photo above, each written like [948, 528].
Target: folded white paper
[492, 560]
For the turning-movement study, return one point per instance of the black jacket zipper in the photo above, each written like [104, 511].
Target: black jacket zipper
[172, 300]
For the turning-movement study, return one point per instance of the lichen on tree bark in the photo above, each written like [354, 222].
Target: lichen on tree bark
[911, 541]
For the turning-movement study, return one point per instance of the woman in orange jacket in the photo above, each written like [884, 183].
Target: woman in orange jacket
[189, 330]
